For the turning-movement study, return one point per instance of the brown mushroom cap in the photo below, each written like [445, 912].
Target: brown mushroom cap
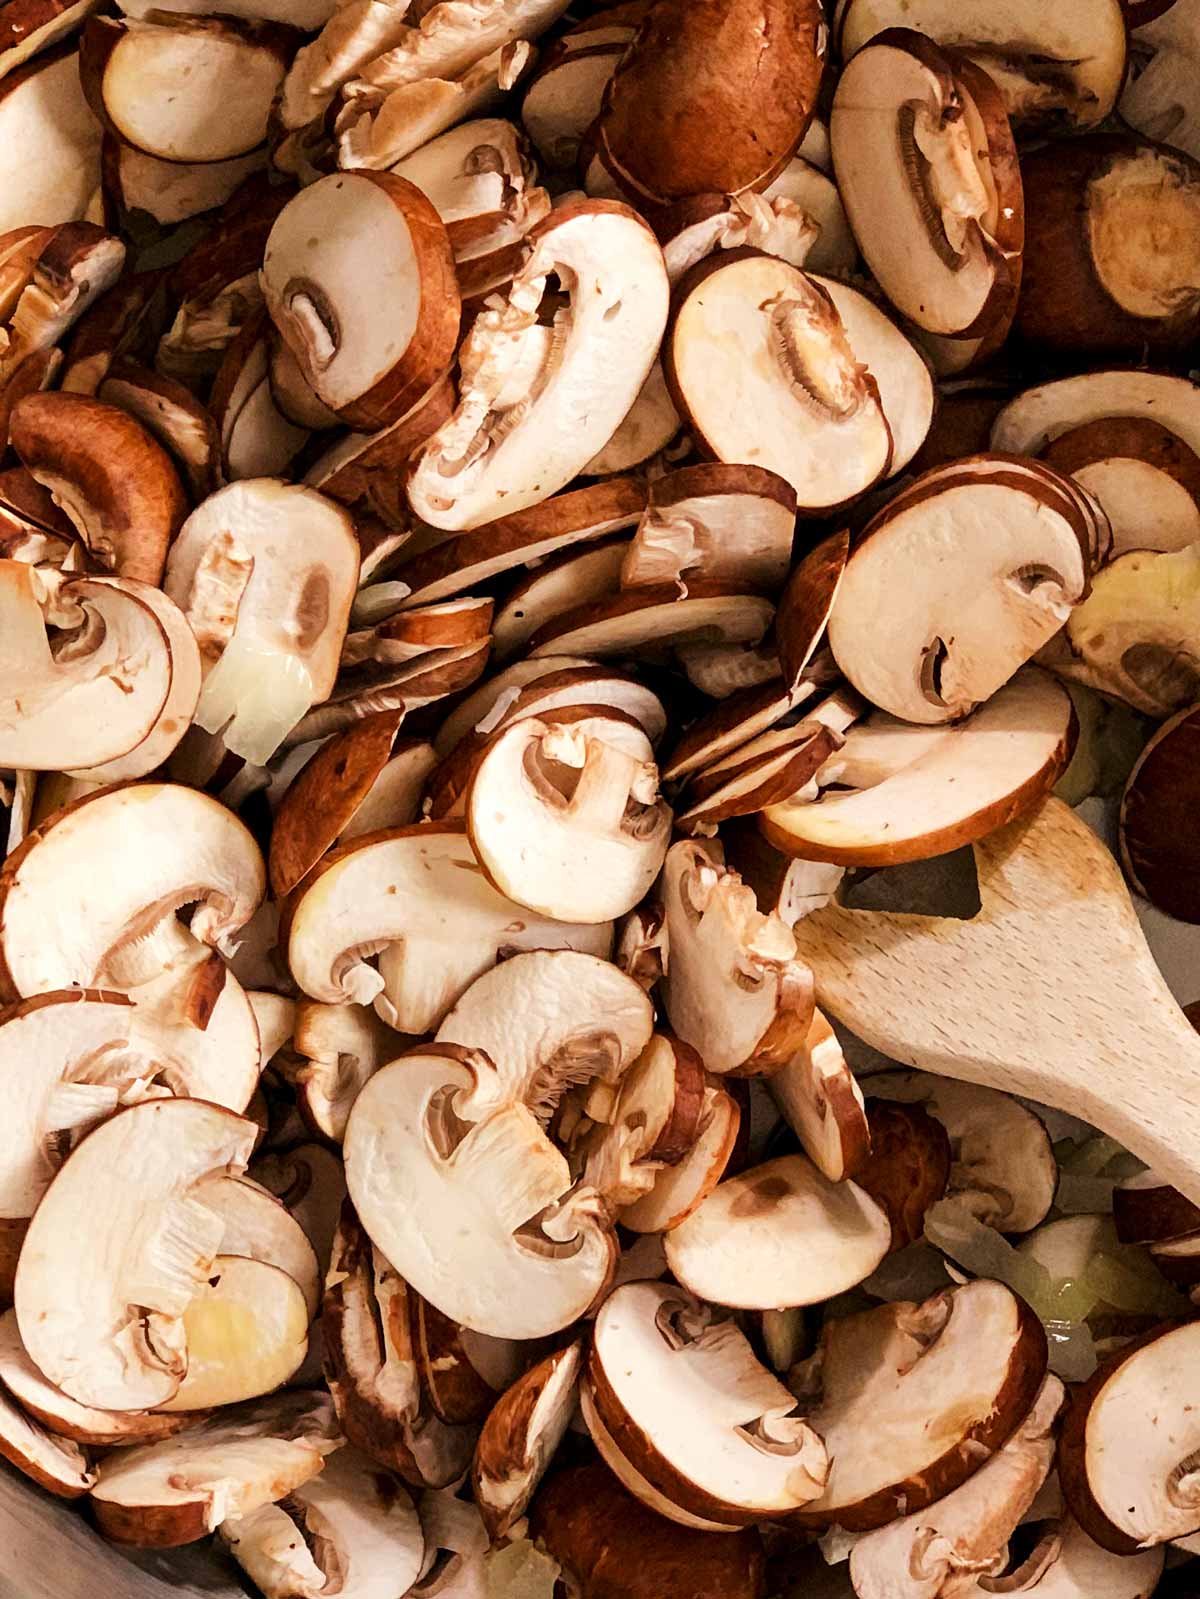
[1155, 839]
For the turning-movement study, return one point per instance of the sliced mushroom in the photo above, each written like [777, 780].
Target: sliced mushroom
[731, 523]
[293, 394]
[577, 577]
[808, 185]
[164, 1494]
[658, 617]
[1066, 1564]
[649, 426]
[562, 98]
[1045, 412]
[58, 1465]
[342, 1046]
[733, 987]
[380, 894]
[481, 711]
[520, 1436]
[696, 228]
[908, 1168]
[485, 462]
[680, 1189]
[172, 191]
[1018, 566]
[683, 1396]
[819, 1098]
[322, 242]
[117, 485]
[308, 1179]
[259, 1227]
[257, 440]
[359, 468]
[432, 1143]
[1146, 479]
[456, 1547]
[43, 109]
[1154, 847]
[566, 822]
[462, 1372]
[937, 1380]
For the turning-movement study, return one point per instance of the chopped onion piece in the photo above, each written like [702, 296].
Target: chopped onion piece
[521, 1571]
[253, 697]
[1072, 1351]
[1131, 1282]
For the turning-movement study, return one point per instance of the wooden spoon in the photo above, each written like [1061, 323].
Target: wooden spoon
[1049, 991]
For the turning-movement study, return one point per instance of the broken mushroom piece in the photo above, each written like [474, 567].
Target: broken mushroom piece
[520, 1436]
[683, 1397]
[342, 231]
[490, 460]
[779, 1235]
[432, 1143]
[58, 1465]
[733, 987]
[726, 522]
[265, 573]
[42, 107]
[102, 1290]
[928, 173]
[680, 1189]
[342, 1047]
[1011, 553]
[819, 1097]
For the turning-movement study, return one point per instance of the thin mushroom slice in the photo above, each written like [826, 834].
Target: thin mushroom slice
[1154, 848]
[656, 618]
[431, 1143]
[730, 523]
[684, 1398]
[419, 896]
[48, 940]
[562, 98]
[406, 635]
[778, 1235]
[170, 191]
[42, 106]
[308, 1179]
[567, 822]
[480, 711]
[1128, 1480]
[966, 1533]
[788, 392]
[1066, 1564]
[810, 188]
[680, 1189]
[1039, 415]
[341, 1048]
[550, 1020]
[1143, 476]
[819, 1098]
[58, 1465]
[1010, 553]
[938, 1380]
[259, 1227]
[462, 1372]
[352, 1527]
[574, 578]
[320, 244]
[256, 439]
[487, 461]
[736, 721]
[733, 987]
[102, 1291]
[265, 573]
[362, 691]
[520, 1436]
[171, 412]
[177, 1491]
[77, 263]
[936, 207]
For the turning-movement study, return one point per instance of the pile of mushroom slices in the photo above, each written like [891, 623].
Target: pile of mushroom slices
[506, 508]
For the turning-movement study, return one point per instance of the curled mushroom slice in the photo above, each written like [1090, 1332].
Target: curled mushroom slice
[321, 244]
[164, 1494]
[58, 1465]
[1145, 478]
[419, 897]
[1130, 1482]
[733, 987]
[42, 106]
[937, 1380]
[568, 821]
[102, 1290]
[549, 1020]
[352, 1527]
[819, 1098]
[430, 1142]
[520, 1436]
[116, 484]
[788, 391]
[937, 207]
[189, 850]
[265, 573]
[487, 461]
[683, 1396]
[1041, 414]
[342, 1046]
[1011, 556]
[733, 523]
[965, 1534]
[779, 1235]
[680, 1189]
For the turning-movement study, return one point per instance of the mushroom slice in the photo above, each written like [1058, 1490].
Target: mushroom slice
[450, 1358]
[1148, 1210]
[1057, 74]
[58, 1465]
[731, 523]
[908, 1168]
[733, 987]
[898, 792]
[362, 691]
[1010, 552]
[551, 1019]
[102, 1291]
[308, 1179]
[819, 1098]
[567, 821]
[1137, 635]
[1144, 477]
[164, 1494]
[93, 701]
[352, 1527]
[260, 1228]
[1045, 412]
[481, 710]
[172, 191]
[322, 242]
[964, 1535]
[171, 412]
[937, 207]
[1155, 851]
[43, 108]
[406, 635]
[577, 577]
[1003, 1163]
[592, 1525]
[937, 1379]
[64, 1417]
[810, 188]
[243, 63]
[563, 96]
[1129, 1480]
[761, 367]
[419, 896]
[739, 719]
[658, 617]
[188, 848]
[343, 1046]
[779, 1235]
[431, 1141]
[520, 1436]
[265, 573]
[684, 1398]
[360, 467]
[696, 228]
[1066, 1564]
[680, 1189]
[257, 440]
[456, 1547]
[116, 484]
[485, 461]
